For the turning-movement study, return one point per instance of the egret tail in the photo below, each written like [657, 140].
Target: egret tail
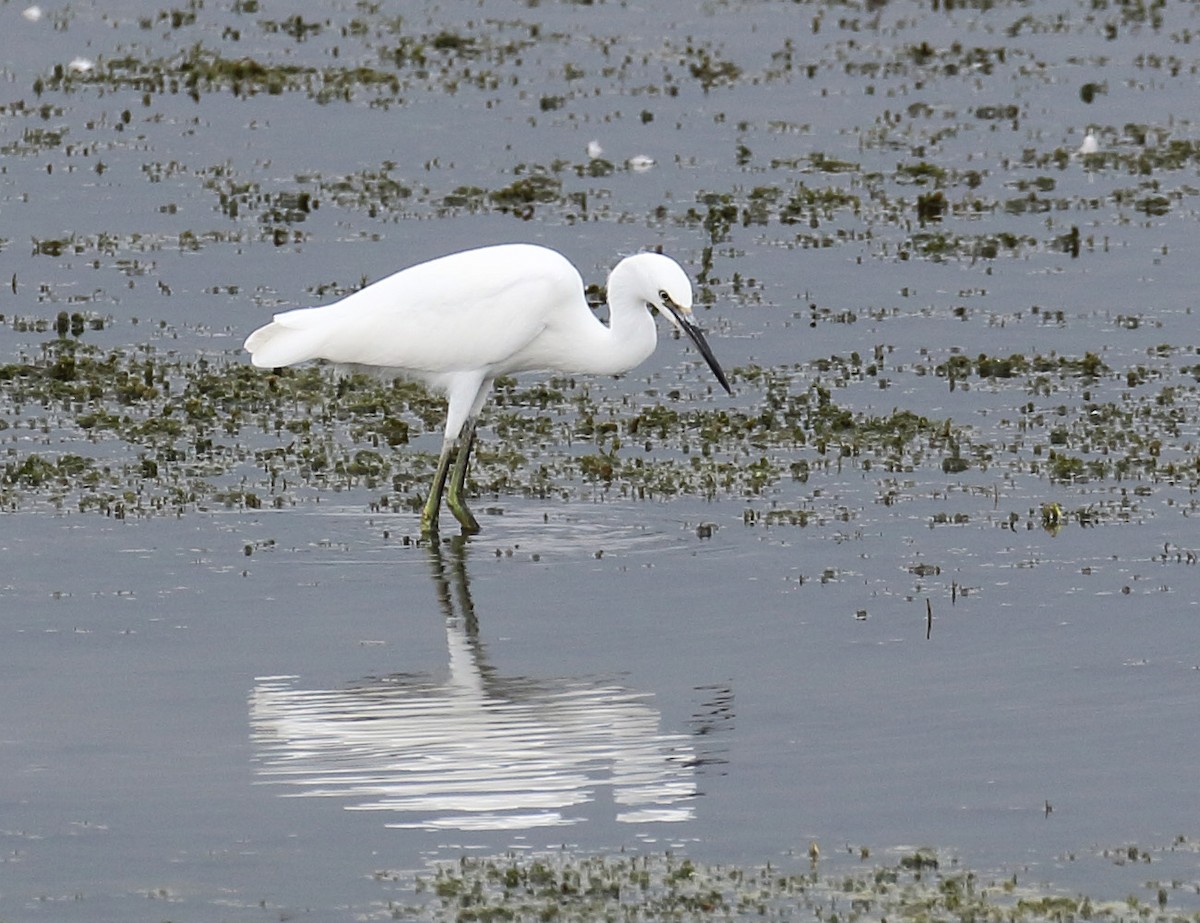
[290, 338]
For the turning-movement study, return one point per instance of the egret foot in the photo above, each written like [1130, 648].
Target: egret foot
[470, 525]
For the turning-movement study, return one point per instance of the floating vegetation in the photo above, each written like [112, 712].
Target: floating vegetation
[161, 431]
[149, 432]
[921, 885]
[382, 61]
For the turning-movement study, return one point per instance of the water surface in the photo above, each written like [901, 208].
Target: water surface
[979, 638]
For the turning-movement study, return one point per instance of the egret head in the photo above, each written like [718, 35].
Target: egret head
[663, 286]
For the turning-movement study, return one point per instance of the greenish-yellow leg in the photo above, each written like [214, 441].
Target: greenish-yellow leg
[458, 452]
[429, 513]
[454, 497]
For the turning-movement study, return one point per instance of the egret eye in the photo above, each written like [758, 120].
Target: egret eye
[663, 296]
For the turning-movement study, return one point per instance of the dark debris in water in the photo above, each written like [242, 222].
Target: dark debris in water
[143, 432]
[813, 199]
[921, 885]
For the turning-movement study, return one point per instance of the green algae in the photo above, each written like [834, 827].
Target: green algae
[152, 417]
[157, 432]
[921, 886]
[401, 59]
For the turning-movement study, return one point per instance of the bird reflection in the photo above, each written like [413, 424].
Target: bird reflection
[475, 750]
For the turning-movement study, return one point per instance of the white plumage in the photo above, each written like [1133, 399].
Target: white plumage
[458, 322]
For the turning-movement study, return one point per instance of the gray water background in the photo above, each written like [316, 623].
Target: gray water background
[771, 686]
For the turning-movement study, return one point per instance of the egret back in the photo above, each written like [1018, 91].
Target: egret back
[472, 311]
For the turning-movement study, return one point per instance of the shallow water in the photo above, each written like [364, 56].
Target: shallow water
[214, 709]
[424, 706]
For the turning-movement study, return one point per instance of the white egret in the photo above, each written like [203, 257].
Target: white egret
[1091, 144]
[459, 322]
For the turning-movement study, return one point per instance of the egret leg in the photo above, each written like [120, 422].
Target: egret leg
[454, 496]
[429, 513]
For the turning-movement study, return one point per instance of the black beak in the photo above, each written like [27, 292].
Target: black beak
[696, 335]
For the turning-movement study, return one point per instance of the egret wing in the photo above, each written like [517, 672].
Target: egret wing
[468, 311]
